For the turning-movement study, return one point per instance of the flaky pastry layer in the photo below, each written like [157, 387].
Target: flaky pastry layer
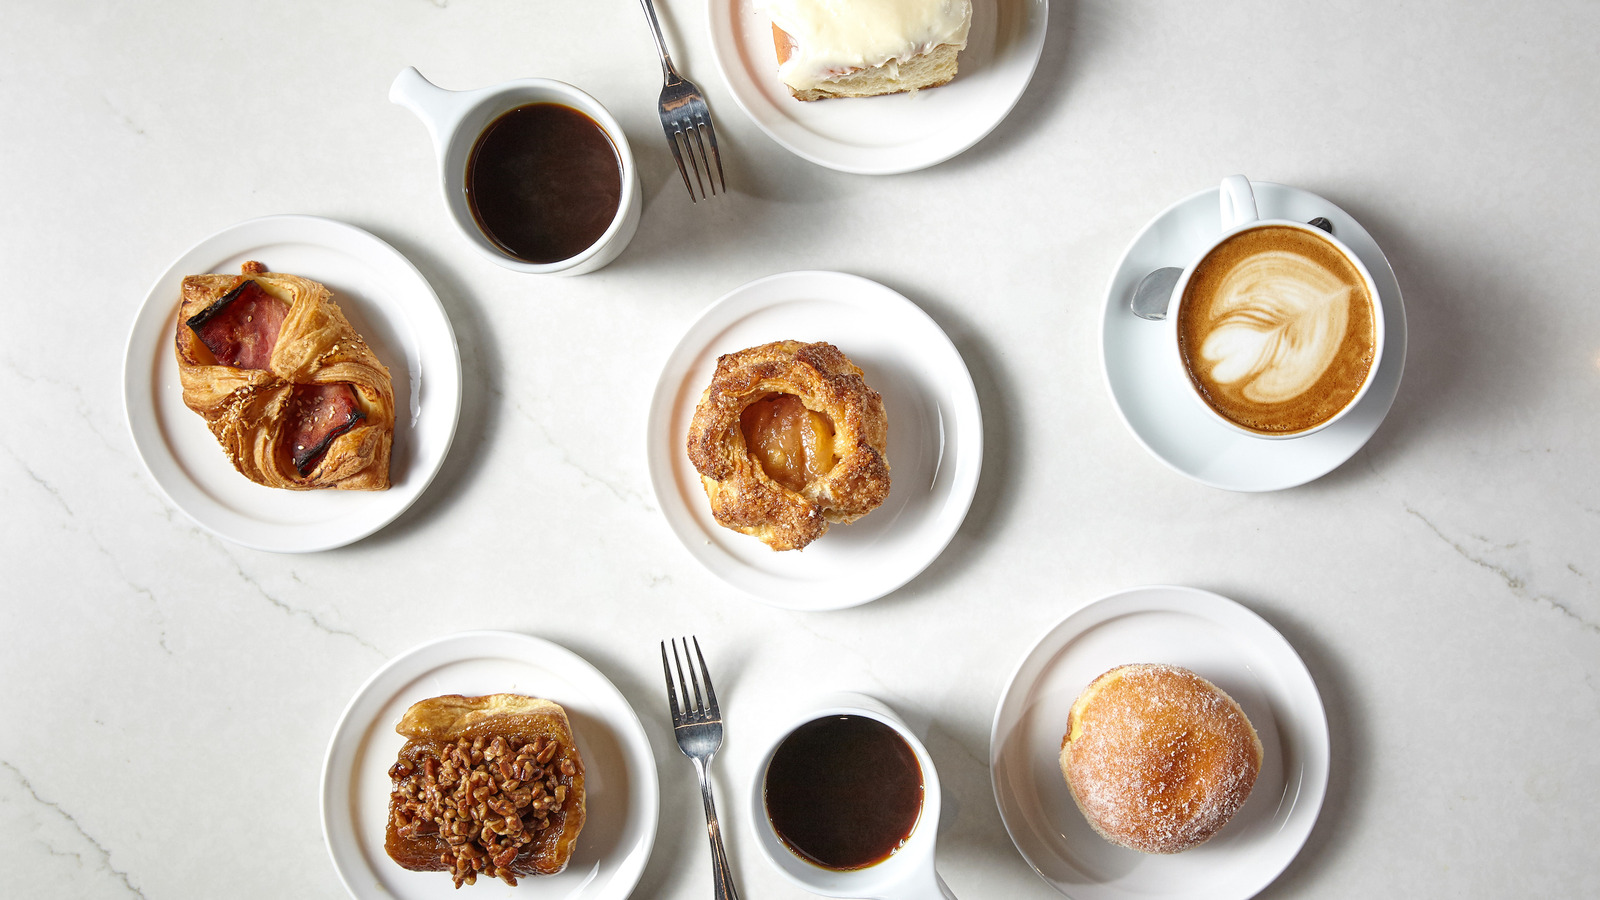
[743, 497]
[248, 410]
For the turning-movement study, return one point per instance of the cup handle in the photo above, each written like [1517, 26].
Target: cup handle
[1238, 202]
[435, 106]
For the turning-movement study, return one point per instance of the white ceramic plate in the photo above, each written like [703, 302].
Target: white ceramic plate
[899, 132]
[1224, 642]
[1158, 409]
[935, 438]
[622, 796]
[386, 300]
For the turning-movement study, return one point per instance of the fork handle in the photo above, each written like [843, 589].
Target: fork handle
[721, 874]
[667, 71]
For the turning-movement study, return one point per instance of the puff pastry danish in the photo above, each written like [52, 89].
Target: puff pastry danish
[787, 439]
[294, 395]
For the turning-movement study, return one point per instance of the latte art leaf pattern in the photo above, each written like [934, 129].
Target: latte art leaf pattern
[1280, 320]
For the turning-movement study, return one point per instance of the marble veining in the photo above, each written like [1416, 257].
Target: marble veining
[100, 852]
[1513, 582]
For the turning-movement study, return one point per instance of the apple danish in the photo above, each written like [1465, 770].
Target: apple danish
[294, 395]
[787, 439]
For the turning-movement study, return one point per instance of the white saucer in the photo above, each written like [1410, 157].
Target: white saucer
[935, 438]
[386, 300]
[622, 796]
[896, 133]
[1227, 644]
[1167, 421]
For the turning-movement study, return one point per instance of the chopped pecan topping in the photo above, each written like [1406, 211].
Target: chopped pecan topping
[486, 799]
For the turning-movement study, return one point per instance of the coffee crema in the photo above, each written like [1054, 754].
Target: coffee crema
[544, 182]
[1276, 329]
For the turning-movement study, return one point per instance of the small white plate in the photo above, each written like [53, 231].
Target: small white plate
[1167, 421]
[895, 133]
[622, 796]
[935, 438]
[386, 300]
[1227, 644]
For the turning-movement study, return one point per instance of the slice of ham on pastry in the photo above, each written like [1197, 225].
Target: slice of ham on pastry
[294, 395]
[864, 48]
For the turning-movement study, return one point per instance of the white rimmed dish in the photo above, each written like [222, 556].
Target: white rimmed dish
[935, 438]
[895, 133]
[1162, 415]
[1227, 644]
[622, 793]
[386, 300]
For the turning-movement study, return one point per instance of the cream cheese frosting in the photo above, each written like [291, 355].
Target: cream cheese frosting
[835, 37]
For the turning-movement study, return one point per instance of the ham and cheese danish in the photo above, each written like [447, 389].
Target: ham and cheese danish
[294, 395]
[863, 48]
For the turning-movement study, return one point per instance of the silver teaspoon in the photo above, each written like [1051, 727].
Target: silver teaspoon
[1154, 292]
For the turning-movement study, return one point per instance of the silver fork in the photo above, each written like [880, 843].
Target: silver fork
[699, 733]
[684, 115]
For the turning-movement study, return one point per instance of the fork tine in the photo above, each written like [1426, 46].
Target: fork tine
[672, 141]
[711, 137]
[699, 705]
[694, 163]
[672, 694]
[705, 672]
[689, 712]
[706, 162]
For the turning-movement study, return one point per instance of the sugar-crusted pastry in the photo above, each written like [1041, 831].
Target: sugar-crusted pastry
[788, 438]
[487, 786]
[294, 395]
[863, 48]
[1158, 758]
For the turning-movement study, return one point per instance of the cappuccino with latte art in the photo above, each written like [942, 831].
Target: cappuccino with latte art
[1278, 329]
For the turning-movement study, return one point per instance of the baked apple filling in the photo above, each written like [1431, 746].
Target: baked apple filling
[794, 445]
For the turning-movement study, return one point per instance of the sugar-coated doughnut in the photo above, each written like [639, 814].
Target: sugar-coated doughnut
[1158, 758]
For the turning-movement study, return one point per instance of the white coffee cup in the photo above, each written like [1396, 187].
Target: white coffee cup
[908, 873]
[455, 119]
[1239, 213]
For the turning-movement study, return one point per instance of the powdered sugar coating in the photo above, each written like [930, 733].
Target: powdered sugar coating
[1158, 758]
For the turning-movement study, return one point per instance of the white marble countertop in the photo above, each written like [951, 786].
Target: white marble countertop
[170, 694]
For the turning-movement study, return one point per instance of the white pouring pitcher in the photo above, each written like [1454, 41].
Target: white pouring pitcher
[455, 119]
[908, 873]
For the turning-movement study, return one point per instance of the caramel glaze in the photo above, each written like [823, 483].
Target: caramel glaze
[546, 855]
[553, 847]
